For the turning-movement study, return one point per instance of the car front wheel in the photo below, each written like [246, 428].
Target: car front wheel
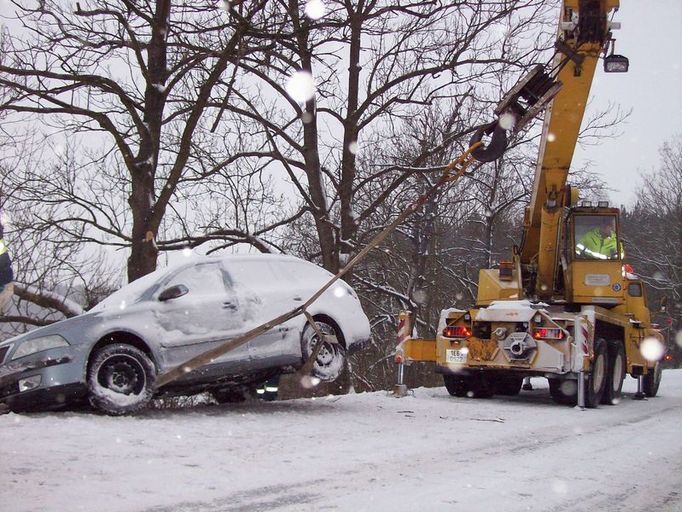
[331, 359]
[120, 379]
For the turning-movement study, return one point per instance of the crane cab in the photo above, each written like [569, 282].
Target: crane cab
[592, 257]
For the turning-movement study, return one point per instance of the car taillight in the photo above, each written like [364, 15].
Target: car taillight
[548, 333]
[456, 331]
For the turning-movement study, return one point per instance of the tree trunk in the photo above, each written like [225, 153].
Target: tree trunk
[311, 156]
[349, 225]
[144, 252]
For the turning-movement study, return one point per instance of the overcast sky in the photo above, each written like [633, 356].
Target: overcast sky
[651, 37]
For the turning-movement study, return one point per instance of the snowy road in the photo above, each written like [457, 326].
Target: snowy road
[358, 452]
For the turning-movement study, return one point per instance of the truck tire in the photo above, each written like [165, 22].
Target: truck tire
[508, 386]
[456, 385]
[615, 374]
[652, 380]
[482, 386]
[564, 392]
[596, 379]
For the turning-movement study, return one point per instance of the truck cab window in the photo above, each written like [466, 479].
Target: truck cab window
[595, 237]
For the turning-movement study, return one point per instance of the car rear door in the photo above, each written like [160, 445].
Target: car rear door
[268, 294]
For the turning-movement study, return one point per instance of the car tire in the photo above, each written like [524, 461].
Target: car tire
[652, 380]
[331, 360]
[615, 375]
[120, 379]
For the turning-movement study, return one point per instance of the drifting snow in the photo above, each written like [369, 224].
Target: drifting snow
[367, 452]
[301, 86]
[315, 9]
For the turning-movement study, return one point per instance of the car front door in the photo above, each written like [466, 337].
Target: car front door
[202, 312]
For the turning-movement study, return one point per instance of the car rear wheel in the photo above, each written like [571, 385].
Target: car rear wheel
[120, 379]
[331, 359]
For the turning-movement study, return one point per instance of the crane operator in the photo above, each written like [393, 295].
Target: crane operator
[600, 242]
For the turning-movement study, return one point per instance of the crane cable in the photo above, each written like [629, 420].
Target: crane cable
[451, 173]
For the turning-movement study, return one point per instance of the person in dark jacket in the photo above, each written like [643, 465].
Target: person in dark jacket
[6, 274]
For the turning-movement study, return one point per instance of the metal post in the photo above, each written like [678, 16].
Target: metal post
[400, 389]
[640, 389]
[404, 330]
[581, 389]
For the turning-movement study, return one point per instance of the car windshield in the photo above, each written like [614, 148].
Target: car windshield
[131, 292]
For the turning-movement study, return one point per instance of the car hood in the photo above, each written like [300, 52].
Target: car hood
[69, 325]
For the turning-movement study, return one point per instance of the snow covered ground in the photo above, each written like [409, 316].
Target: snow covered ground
[358, 452]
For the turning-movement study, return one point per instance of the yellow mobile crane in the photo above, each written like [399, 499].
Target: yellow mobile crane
[564, 307]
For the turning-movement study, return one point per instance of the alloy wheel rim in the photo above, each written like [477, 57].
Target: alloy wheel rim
[122, 374]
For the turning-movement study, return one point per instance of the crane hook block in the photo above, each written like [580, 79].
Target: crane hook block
[495, 147]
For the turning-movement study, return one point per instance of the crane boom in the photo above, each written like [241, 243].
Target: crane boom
[584, 33]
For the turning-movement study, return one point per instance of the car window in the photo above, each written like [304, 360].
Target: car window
[204, 279]
[130, 293]
[302, 271]
[256, 273]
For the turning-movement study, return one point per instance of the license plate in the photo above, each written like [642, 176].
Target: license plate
[454, 355]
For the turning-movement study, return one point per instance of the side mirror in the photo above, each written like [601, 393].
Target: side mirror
[173, 292]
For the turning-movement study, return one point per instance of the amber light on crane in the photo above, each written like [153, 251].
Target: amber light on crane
[548, 333]
[456, 331]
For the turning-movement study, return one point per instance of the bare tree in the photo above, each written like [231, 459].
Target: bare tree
[130, 86]
[375, 66]
[653, 232]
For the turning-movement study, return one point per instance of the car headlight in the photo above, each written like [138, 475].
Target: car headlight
[29, 347]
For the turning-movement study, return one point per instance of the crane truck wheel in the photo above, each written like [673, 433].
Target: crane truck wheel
[652, 380]
[564, 392]
[473, 386]
[596, 380]
[615, 374]
[481, 386]
[456, 385]
[508, 386]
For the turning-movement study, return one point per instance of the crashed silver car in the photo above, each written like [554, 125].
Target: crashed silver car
[112, 354]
